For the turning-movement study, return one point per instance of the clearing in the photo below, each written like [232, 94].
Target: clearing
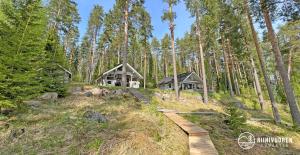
[134, 127]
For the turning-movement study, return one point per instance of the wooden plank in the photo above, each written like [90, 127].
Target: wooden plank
[201, 145]
[199, 140]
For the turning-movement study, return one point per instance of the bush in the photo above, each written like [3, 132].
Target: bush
[237, 119]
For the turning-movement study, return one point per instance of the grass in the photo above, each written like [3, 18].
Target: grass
[59, 128]
[224, 138]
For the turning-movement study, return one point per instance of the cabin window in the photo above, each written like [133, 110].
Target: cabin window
[109, 82]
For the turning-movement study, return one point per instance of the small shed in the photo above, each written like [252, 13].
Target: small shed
[186, 81]
[67, 74]
[113, 77]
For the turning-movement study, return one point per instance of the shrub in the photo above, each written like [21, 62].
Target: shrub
[237, 119]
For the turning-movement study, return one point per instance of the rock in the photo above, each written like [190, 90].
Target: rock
[95, 116]
[87, 87]
[239, 105]
[88, 94]
[51, 96]
[15, 133]
[96, 91]
[33, 104]
[119, 92]
[6, 112]
[105, 92]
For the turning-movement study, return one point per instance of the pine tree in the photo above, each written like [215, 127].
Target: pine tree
[170, 16]
[22, 44]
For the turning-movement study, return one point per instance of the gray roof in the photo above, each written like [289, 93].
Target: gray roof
[180, 78]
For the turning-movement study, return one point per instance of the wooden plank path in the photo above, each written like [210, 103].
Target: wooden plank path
[139, 96]
[199, 140]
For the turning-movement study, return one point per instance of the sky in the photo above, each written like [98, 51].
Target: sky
[154, 7]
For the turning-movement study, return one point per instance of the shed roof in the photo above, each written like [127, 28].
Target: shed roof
[181, 77]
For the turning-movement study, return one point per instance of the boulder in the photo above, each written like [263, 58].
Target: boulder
[96, 91]
[15, 133]
[87, 87]
[88, 94]
[239, 105]
[119, 92]
[33, 104]
[51, 96]
[94, 116]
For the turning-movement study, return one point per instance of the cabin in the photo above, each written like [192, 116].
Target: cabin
[186, 81]
[67, 74]
[113, 77]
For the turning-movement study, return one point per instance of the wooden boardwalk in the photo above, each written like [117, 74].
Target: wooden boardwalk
[199, 140]
[139, 96]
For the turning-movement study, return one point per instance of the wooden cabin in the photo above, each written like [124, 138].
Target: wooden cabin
[186, 81]
[67, 74]
[113, 77]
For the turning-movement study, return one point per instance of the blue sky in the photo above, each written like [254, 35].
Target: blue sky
[154, 7]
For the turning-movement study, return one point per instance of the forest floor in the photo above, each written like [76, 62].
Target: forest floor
[224, 138]
[134, 127]
[60, 128]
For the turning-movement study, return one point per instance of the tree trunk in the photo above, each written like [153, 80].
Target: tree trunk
[280, 66]
[227, 68]
[262, 66]
[124, 56]
[145, 68]
[257, 86]
[202, 65]
[290, 62]
[234, 78]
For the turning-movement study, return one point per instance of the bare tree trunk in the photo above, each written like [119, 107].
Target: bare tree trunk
[262, 66]
[280, 66]
[257, 85]
[233, 71]
[202, 65]
[174, 61]
[145, 68]
[227, 68]
[124, 56]
[156, 70]
[93, 55]
[290, 63]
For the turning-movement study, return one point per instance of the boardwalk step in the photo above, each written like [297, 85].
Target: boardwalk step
[199, 140]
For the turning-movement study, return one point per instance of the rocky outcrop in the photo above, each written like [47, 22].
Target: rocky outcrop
[95, 116]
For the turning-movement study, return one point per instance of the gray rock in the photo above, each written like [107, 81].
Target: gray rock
[95, 116]
[33, 104]
[51, 96]
[88, 94]
[15, 133]
[119, 92]
[239, 105]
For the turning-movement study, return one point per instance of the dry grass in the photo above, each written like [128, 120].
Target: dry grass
[224, 139]
[59, 128]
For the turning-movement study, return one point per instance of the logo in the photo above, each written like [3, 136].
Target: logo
[246, 140]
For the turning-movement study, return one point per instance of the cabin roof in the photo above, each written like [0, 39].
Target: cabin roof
[61, 67]
[181, 77]
[118, 66]
[67, 71]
